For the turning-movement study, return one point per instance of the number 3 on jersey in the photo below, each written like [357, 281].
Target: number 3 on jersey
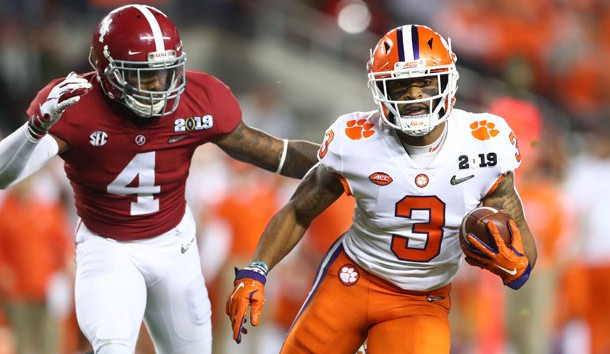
[432, 230]
[142, 167]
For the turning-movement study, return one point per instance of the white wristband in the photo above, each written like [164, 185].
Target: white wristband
[283, 158]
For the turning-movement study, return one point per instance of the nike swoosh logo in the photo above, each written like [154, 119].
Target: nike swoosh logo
[133, 53]
[186, 247]
[511, 272]
[455, 180]
[241, 285]
[177, 138]
[434, 298]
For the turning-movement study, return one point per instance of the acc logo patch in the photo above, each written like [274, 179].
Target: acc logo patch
[349, 275]
[380, 178]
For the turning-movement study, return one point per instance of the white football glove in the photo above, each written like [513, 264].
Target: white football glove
[62, 96]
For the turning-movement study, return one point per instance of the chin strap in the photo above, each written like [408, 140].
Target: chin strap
[143, 110]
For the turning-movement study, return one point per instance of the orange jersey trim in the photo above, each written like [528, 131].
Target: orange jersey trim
[495, 186]
[343, 181]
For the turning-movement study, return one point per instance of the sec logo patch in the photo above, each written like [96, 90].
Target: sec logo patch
[349, 275]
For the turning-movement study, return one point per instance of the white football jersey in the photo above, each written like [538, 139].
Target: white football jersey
[407, 216]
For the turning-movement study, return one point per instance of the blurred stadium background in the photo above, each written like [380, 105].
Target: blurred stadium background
[295, 65]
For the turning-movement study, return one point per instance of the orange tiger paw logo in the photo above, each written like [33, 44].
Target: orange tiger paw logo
[358, 129]
[484, 130]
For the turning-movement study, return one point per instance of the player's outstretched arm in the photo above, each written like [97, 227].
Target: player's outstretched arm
[291, 158]
[318, 190]
[29, 148]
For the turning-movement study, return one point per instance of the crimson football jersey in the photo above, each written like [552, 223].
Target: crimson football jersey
[128, 179]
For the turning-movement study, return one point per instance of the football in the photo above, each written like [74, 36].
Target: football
[475, 222]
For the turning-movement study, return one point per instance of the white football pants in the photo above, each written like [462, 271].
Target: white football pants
[158, 279]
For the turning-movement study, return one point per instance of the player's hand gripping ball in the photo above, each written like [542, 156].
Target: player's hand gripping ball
[475, 223]
[491, 240]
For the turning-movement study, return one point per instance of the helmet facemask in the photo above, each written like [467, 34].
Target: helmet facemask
[150, 89]
[439, 104]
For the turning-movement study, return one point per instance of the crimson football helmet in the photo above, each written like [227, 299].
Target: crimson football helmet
[406, 52]
[137, 54]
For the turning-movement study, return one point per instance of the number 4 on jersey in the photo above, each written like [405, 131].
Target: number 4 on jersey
[142, 167]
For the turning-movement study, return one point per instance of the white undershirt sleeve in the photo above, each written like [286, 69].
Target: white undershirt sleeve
[21, 155]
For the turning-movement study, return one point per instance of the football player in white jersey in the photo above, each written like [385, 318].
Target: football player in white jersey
[415, 166]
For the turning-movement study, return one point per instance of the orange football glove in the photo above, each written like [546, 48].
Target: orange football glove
[508, 262]
[249, 290]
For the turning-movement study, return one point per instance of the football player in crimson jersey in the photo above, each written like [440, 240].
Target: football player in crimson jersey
[415, 166]
[127, 147]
